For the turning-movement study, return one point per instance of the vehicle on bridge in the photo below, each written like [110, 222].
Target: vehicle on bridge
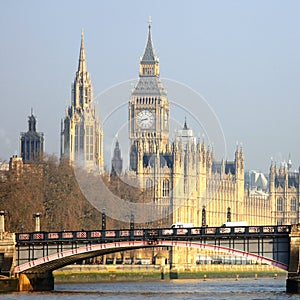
[182, 225]
[235, 224]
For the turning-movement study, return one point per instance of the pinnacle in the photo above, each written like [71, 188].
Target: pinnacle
[82, 58]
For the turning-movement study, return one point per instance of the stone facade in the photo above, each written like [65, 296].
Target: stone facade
[183, 177]
[284, 194]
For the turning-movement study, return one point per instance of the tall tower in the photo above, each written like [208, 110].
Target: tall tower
[32, 142]
[149, 108]
[81, 134]
[117, 161]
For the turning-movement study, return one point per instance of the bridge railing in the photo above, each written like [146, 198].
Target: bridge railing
[101, 236]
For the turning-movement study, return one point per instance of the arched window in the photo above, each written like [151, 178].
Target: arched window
[279, 204]
[149, 184]
[293, 204]
[166, 188]
[149, 187]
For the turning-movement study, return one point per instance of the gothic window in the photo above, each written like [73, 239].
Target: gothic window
[89, 143]
[77, 132]
[149, 184]
[86, 95]
[279, 204]
[133, 158]
[81, 137]
[79, 140]
[166, 188]
[293, 204]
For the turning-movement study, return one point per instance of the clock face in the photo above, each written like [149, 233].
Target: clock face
[145, 119]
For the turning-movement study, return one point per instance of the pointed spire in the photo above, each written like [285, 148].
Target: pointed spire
[185, 125]
[82, 59]
[198, 144]
[117, 161]
[289, 164]
[149, 82]
[149, 54]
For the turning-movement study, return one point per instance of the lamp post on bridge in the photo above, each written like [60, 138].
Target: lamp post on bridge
[37, 218]
[2, 221]
[228, 214]
[203, 216]
[132, 221]
[103, 219]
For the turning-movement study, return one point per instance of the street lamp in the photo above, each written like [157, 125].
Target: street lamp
[228, 214]
[2, 223]
[37, 218]
[132, 221]
[103, 219]
[203, 216]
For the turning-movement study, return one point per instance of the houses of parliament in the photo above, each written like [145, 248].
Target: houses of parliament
[182, 176]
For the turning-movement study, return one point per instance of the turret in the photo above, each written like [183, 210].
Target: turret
[239, 179]
[203, 152]
[140, 154]
[272, 176]
[239, 163]
[201, 172]
[208, 160]
[117, 161]
[177, 159]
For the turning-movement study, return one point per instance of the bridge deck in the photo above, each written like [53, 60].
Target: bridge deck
[196, 233]
[269, 242]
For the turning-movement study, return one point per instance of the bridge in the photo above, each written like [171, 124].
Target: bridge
[38, 254]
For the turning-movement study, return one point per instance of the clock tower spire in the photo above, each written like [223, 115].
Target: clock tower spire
[149, 108]
[149, 63]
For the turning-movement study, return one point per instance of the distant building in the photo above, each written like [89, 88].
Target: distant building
[255, 180]
[81, 133]
[4, 168]
[16, 166]
[284, 194]
[32, 142]
[117, 161]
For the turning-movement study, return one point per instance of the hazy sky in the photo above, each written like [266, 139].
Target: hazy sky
[242, 56]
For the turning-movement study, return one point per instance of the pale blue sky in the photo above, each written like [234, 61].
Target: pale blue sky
[242, 56]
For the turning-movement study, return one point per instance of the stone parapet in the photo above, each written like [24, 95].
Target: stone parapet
[8, 250]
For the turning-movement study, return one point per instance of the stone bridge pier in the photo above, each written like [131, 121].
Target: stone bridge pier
[36, 281]
[293, 280]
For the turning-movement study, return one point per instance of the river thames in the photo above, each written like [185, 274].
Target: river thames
[264, 289]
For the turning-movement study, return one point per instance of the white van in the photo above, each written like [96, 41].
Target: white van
[235, 224]
[182, 225]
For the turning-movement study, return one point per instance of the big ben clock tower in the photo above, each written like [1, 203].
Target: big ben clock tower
[149, 109]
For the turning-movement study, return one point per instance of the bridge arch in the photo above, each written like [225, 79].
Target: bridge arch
[61, 259]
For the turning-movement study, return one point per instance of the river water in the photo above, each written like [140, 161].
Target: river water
[264, 289]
